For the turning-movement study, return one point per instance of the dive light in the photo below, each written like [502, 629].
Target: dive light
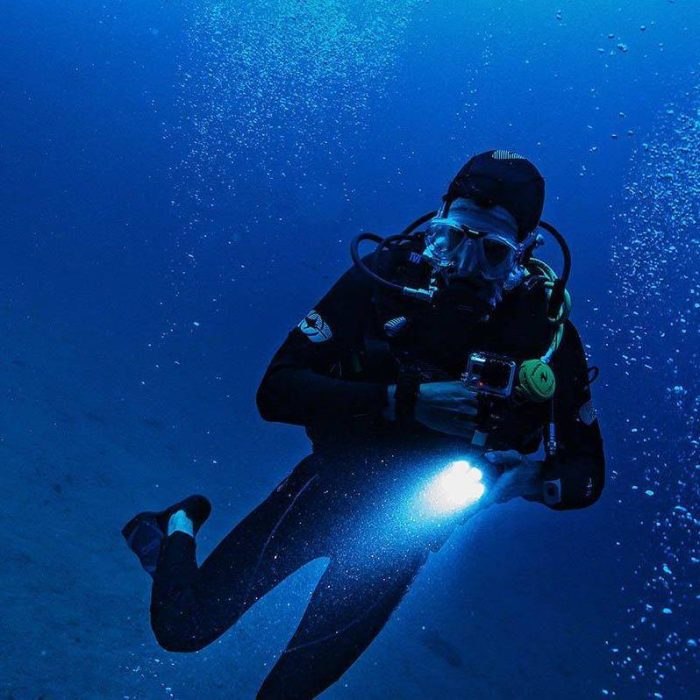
[453, 489]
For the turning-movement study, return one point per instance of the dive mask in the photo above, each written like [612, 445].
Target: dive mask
[456, 247]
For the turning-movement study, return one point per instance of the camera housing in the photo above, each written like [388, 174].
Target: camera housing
[490, 374]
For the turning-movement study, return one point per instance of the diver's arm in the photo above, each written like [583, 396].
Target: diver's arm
[302, 383]
[575, 476]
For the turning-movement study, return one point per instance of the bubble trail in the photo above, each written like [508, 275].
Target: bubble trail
[268, 84]
[656, 259]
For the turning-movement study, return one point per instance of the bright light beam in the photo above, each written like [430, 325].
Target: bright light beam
[455, 488]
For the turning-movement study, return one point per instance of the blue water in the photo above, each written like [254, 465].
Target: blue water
[179, 182]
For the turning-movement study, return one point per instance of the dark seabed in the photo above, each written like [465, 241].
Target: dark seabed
[179, 184]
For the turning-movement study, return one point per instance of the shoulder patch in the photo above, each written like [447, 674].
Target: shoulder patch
[315, 328]
[587, 413]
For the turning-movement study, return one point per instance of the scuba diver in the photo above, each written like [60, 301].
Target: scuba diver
[450, 344]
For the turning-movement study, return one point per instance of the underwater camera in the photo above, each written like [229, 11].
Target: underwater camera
[490, 374]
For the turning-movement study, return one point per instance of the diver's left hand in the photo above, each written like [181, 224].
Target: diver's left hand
[519, 476]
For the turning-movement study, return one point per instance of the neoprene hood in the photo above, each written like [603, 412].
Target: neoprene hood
[506, 179]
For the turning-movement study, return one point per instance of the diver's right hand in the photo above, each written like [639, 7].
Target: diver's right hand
[447, 407]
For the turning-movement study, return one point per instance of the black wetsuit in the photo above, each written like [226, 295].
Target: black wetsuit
[346, 501]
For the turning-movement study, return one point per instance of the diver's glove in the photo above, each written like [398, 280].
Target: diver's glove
[515, 475]
[446, 407]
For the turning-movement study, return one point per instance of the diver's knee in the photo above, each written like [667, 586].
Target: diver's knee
[179, 644]
[175, 637]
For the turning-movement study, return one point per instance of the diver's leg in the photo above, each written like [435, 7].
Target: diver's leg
[349, 607]
[191, 606]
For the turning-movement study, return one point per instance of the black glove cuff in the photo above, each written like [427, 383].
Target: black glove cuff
[407, 388]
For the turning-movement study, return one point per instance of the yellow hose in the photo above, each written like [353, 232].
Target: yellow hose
[540, 267]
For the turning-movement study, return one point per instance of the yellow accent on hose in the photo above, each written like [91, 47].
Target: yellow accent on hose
[539, 267]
